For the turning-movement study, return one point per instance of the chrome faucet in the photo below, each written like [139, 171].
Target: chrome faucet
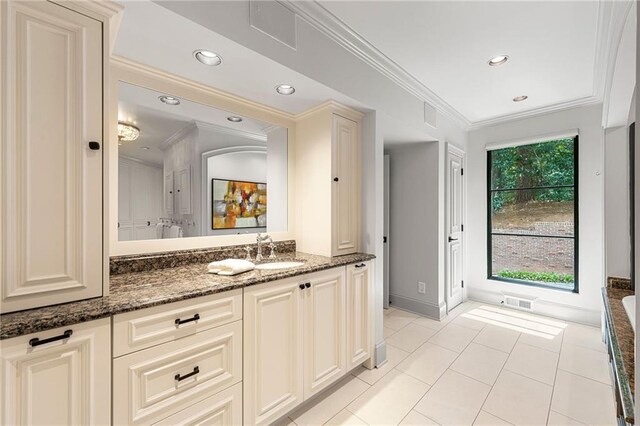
[260, 239]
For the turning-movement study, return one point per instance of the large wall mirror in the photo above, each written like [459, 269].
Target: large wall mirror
[186, 169]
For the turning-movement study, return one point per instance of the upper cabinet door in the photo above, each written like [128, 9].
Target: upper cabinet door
[184, 191]
[347, 191]
[51, 192]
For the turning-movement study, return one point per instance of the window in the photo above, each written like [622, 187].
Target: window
[533, 214]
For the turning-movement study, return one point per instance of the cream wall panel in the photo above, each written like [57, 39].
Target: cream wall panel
[51, 180]
[62, 382]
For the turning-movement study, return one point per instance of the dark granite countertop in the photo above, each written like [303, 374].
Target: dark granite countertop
[139, 290]
[622, 341]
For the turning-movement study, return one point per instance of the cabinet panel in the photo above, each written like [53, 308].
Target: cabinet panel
[169, 199]
[62, 382]
[224, 409]
[346, 192]
[184, 191]
[324, 330]
[273, 350]
[51, 180]
[154, 383]
[142, 329]
[359, 309]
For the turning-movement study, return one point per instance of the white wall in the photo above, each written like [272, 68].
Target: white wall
[618, 263]
[414, 242]
[585, 306]
[277, 179]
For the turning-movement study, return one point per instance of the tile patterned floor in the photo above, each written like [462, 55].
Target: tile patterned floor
[483, 365]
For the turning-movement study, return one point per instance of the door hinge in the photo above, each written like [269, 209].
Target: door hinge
[461, 172]
[462, 283]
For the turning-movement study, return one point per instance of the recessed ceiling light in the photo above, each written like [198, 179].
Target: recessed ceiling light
[520, 98]
[285, 89]
[498, 60]
[208, 57]
[169, 100]
[234, 119]
[145, 147]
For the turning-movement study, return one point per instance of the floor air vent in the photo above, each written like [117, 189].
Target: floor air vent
[518, 303]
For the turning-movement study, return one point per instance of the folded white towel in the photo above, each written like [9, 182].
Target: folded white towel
[230, 267]
[159, 230]
[174, 231]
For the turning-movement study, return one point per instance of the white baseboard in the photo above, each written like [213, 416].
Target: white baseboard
[547, 308]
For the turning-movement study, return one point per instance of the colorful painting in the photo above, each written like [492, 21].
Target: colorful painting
[238, 204]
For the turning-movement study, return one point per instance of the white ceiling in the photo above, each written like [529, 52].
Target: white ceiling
[158, 37]
[158, 122]
[446, 45]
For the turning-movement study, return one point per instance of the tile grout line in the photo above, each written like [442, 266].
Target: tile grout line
[555, 378]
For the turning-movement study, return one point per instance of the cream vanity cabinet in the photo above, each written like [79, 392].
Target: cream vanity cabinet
[296, 339]
[52, 152]
[59, 376]
[179, 363]
[328, 159]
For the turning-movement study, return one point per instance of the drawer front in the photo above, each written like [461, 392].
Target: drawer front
[224, 409]
[133, 331]
[155, 383]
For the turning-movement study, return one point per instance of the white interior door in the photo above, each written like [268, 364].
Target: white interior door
[385, 299]
[454, 218]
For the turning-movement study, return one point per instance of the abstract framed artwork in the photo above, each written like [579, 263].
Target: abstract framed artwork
[238, 204]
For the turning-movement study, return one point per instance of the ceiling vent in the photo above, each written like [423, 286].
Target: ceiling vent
[273, 19]
[430, 114]
[518, 303]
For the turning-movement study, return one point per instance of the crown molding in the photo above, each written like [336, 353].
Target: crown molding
[331, 26]
[332, 106]
[609, 31]
[178, 136]
[233, 132]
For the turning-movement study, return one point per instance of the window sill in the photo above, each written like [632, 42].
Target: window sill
[534, 284]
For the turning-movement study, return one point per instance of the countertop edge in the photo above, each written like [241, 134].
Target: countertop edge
[97, 312]
[618, 363]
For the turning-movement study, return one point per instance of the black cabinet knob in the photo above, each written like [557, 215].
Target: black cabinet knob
[94, 146]
[335, 179]
[307, 285]
[301, 286]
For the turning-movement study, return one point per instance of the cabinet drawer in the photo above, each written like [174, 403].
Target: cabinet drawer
[142, 329]
[155, 383]
[224, 408]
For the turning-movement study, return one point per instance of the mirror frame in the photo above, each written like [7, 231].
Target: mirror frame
[141, 75]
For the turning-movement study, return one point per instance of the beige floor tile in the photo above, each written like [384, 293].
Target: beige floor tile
[454, 399]
[469, 321]
[549, 343]
[486, 419]
[394, 357]
[454, 337]
[519, 400]
[557, 419]
[330, 403]
[431, 323]
[480, 362]
[585, 336]
[386, 332]
[535, 363]
[428, 362]
[497, 337]
[416, 419]
[346, 418]
[397, 319]
[585, 362]
[583, 399]
[410, 337]
[284, 422]
[389, 400]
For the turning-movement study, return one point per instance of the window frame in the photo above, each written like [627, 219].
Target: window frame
[576, 233]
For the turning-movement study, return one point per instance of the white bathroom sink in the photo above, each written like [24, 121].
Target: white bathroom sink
[629, 304]
[279, 265]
